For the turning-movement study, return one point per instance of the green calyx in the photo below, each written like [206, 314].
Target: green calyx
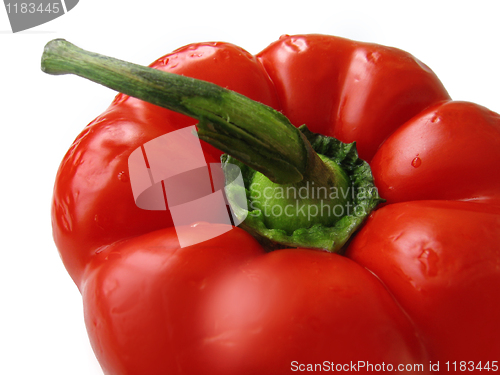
[306, 214]
[299, 205]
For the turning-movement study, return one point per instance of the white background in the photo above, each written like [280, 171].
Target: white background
[41, 319]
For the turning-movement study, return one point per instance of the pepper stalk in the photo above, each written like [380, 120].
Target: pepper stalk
[268, 149]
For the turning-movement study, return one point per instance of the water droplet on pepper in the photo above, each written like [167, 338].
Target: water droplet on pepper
[415, 163]
[123, 176]
[429, 261]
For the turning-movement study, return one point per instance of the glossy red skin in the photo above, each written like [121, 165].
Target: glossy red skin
[152, 308]
[225, 306]
[449, 151]
[441, 261]
[349, 90]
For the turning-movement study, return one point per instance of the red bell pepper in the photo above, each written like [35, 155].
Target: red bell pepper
[416, 288]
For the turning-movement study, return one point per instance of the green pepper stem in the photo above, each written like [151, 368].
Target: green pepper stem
[253, 133]
[258, 139]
